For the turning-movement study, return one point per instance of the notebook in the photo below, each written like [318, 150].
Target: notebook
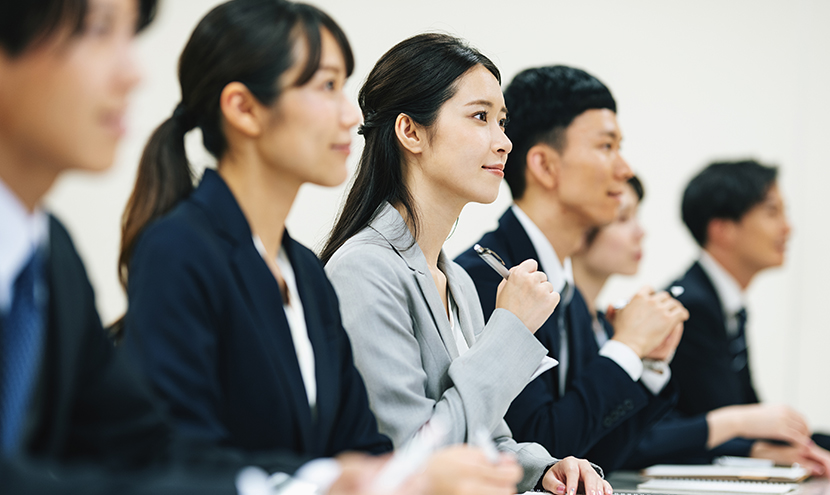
[793, 474]
[714, 487]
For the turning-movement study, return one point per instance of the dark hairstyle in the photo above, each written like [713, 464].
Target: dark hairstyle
[543, 102]
[246, 41]
[26, 23]
[724, 190]
[637, 186]
[415, 77]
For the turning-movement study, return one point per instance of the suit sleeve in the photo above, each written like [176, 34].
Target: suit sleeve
[603, 412]
[172, 328]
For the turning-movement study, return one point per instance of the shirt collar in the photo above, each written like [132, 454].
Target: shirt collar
[557, 273]
[729, 291]
[21, 232]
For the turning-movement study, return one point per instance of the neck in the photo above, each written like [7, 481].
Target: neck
[26, 178]
[740, 271]
[437, 214]
[564, 231]
[263, 194]
[590, 282]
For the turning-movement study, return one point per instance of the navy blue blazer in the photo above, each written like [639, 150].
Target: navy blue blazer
[602, 413]
[703, 363]
[207, 325]
[90, 407]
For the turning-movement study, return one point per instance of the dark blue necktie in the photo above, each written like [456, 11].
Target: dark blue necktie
[21, 344]
[737, 344]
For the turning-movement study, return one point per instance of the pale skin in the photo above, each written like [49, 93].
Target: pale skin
[459, 160]
[573, 189]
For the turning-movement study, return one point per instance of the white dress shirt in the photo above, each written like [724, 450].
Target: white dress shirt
[732, 298]
[296, 322]
[559, 273]
[21, 233]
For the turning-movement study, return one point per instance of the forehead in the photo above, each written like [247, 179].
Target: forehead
[478, 83]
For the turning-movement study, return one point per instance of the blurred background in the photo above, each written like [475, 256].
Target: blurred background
[694, 82]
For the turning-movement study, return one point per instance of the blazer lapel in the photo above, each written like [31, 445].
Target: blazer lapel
[389, 224]
[465, 319]
[262, 293]
[325, 363]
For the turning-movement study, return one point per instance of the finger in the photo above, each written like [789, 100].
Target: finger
[528, 266]
[572, 477]
[553, 482]
[591, 481]
[609, 490]
[539, 277]
[644, 291]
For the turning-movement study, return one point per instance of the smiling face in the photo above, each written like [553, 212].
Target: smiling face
[308, 137]
[760, 237]
[63, 102]
[617, 247]
[467, 148]
[591, 172]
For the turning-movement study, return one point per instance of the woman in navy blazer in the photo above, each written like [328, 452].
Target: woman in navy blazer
[235, 323]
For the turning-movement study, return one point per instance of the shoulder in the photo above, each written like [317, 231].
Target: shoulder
[184, 233]
[369, 252]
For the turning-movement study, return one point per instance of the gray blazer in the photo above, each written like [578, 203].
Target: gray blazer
[405, 350]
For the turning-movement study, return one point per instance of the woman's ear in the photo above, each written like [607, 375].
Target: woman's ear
[542, 166]
[410, 134]
[241, 110]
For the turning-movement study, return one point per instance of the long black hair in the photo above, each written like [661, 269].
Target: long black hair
[247, 41]
[416, 77]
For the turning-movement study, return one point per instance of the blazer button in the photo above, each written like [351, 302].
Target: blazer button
[628, 404]
[607, 422]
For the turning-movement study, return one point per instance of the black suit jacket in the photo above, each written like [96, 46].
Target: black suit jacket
[705, 379]
[702, 364]
[206, 323]
[91, 408]
[602, 413]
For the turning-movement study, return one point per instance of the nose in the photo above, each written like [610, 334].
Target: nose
[128, 72]
[350, 115]
[621, 168]
[639, 232]
[501, 143]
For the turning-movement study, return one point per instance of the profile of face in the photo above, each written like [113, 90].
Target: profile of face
[308, 132]
[63, 101]
[760, 237]
[617, 247]
[466, 148]
[592, 174]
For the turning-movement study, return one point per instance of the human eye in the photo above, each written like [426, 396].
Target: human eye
[482, 116]
[503, 123]
[100, 24]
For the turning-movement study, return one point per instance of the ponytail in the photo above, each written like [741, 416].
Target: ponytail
[164, 178]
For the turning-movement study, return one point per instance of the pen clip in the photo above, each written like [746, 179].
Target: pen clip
[494, 260]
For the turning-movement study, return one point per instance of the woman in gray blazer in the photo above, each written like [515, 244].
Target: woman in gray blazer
[434, 126]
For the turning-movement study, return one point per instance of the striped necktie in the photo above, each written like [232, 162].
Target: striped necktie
[21, 345]
[737, 343]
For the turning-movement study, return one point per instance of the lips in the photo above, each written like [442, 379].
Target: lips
[113, 120]
[496, 169]
[343, 147]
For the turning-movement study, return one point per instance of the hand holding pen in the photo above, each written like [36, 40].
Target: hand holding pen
[525, 291]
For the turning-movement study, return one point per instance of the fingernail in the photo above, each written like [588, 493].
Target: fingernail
[560, 489]
[573, 490]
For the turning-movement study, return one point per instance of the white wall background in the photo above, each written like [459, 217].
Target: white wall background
[694, 81]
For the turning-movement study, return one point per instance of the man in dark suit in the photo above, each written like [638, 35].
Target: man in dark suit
[566, 175]
[735, 212]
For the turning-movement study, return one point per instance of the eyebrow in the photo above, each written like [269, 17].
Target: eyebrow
[486, 103]
[612, 134]
[332, 68]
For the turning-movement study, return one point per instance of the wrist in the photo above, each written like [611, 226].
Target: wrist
[633, 345]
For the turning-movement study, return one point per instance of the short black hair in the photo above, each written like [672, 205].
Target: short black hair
[25, 23]
[542, 102]
[725, 190]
